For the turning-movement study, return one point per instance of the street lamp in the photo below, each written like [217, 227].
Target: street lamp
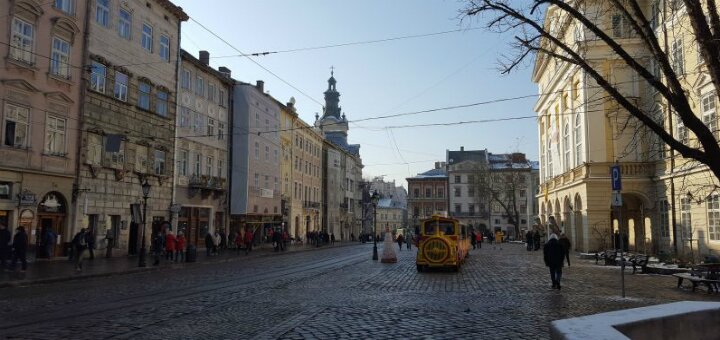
[146, 193]
[375, 198]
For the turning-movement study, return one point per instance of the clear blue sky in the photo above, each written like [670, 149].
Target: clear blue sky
[377, 79]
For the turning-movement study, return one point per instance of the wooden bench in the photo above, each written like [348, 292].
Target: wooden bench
[609, 257]
[699, 276]
[639, 260]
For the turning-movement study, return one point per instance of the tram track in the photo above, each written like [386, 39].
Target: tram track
[235, 283]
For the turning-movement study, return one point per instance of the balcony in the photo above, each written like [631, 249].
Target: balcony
[600, 170]
[476, 214]
[311, 205]
[209, 183]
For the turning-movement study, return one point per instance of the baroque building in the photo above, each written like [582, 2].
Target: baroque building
[128, 118]
[41, 80]
[427, 194]
[202, 144]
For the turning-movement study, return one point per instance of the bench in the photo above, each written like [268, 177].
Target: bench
[639, 260]
[609, 257]
[700, 275]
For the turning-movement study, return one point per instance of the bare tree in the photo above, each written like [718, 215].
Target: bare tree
[502, 187]
[535, 35]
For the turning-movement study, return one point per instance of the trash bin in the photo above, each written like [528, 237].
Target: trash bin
[191, 253]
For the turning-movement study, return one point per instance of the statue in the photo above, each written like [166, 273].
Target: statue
[389, 255]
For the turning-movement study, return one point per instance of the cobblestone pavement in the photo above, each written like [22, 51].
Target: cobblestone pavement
[331, 293]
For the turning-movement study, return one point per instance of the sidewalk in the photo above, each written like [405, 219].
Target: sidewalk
[60, 269]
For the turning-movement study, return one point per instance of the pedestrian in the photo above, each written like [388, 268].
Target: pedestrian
[565, 243]
[248, 241]
[472, 239]
[223, 240]
[408, 242]
[529, 240]
[157, 246]
[285, 238]
[536, 239]
[19, 249]
[238, 241]
[479, 240]
[50, 239]
[170, 244]
[79, 243]
[332, 239]
[5, 246]
[400, 239]
[277, 240]
[110, 240]
[180, 247]
[498, 239]
[554, 254]
[208, 243]
[216, 243]
[90, 236]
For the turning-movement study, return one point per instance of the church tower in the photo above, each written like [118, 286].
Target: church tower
[333, 124]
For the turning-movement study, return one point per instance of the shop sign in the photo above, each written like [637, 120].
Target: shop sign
[27, 198]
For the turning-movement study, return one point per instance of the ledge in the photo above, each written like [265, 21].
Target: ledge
[678, 320]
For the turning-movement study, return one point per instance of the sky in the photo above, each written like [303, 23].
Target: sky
[395, 76]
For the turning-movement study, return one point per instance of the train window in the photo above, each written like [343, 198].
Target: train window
[429, 228]
[449, 230]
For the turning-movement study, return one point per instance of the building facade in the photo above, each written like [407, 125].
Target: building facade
[202, 144]
[128, 119]
[427, 194]
[40, 86]
[255, 199]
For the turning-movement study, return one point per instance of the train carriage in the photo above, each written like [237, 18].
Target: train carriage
[442, 243]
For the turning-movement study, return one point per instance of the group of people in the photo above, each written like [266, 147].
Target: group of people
[320, 237]
[13, 248]
[407, 241]
[532, 240]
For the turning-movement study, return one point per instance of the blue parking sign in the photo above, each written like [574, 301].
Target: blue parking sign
[615, 178]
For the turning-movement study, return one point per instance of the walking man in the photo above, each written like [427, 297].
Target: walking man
[20, 243]
[79, 244]
[248, 241]
[5, 239]
[400, 240]
[554, 256]
[565, 243]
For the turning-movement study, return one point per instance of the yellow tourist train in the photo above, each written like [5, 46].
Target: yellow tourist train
[442, 243]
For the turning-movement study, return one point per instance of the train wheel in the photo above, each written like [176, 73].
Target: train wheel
[420, 268]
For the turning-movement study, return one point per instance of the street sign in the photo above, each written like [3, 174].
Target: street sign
[615, 178]
[616, 199]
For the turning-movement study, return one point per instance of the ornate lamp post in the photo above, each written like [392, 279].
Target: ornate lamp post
[375, 198]
[146, 193]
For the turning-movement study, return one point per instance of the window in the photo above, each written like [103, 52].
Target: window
[416, 193]
[17, 121]
[221, 131]
[121, 86]
[257, 150]
[663, 215]
[94, 149]
[161, 107]
[22, 40]
[208, 165]
[55, 137]
[143, 96]
[677, 59]
[115, 159]
[275, 155]
[578, 139]
[164, 48]
[60, 60]
[685, 219]
[147, 38]
[221, 165]
[713, 211]
[471, 209]
[124, 24]
[708, 113]
[196, 168]
[682, 131]
[267, 155]
[141, 161]
[655, 14]
[222, 98]
[159, 162]
[440, 193]
[457, 179]
[182, 162]
[549, 157]
[210, 127]
[471, 192]
[458, 208]
[620, 27]
[200, 86]
[65, 6]
[457, 191]
[566, 144]
[5, 190]
[211, 92]
[198, 121]
[102, 12]
[185, 78]
[97, 77]
[185, 117]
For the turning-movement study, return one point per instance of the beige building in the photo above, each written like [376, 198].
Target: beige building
[201, 151]
[304, 174]
[668, 204]
[427, 194]
[40, 81]
[128, 120]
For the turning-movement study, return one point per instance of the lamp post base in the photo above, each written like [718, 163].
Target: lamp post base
[375, 254]
[141, 258]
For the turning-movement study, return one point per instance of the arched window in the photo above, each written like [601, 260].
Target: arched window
[578, 140]
[566, 145]
[549, 157]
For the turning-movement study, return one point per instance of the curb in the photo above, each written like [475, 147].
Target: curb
[55, 279]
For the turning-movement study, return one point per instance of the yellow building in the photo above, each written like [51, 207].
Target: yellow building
[667, 202]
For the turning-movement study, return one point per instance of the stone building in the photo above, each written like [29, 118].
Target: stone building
[427, 194]
[40, 86]
[201, 153]
[342, 167]
[128, 119]
[303, 179]
[255, 198]
[390, 216]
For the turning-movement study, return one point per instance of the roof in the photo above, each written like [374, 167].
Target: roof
[339, 139]
[470, 155]
[433, 173]
[389, 203]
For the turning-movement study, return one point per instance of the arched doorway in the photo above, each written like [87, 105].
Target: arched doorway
[51, 220]
[631, 222]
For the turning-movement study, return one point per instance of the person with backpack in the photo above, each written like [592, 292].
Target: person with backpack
[80, 244]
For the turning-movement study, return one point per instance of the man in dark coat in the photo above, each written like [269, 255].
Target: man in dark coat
[529, 243]
[565, 243]
[19, 245]
[5, 238]
[554, 256]
[208, 243]
[536, 239]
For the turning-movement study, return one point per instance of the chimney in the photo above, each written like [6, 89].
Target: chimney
[260, 86]
[462, 148]
[205, 57]
[225, 71]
